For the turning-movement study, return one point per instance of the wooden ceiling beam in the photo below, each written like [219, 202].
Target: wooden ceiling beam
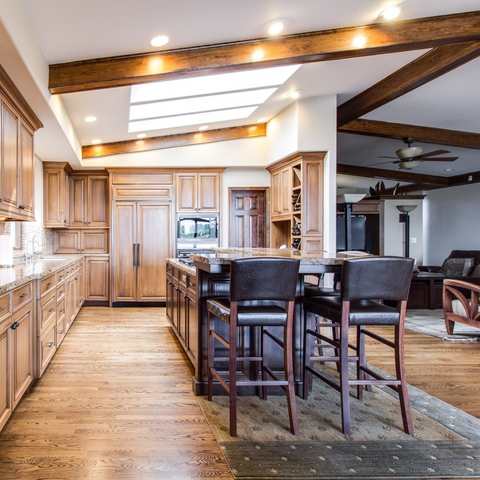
[395, 175]
[307, 47]
[171, 141]
[422, 70]
[440, 136]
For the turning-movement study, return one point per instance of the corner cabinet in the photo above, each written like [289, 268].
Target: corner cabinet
[297, 202]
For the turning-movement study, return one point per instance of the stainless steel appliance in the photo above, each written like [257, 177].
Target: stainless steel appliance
[193, 228]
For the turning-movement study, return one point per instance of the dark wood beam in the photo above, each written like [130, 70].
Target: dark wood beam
[464, 179]
[396, 175]
[171, 141]
[292, 49]
[422, 70]
[418, 187]
[440, 136]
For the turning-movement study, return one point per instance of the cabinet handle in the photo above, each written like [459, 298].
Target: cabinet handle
[192, 284]
[76, 278]
[49, 283]
[50, 345]
[61, 291]
[138, 254]
[176, 288]
[61, 310]
[23, 295]
[61, 332]
[184, 296]
[22, 207]
[15, 325]
[134, 254]
[51, 309]
[60, 276]
[3, 308]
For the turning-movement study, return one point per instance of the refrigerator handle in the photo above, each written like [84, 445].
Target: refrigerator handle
[138, 254]
[134, 255]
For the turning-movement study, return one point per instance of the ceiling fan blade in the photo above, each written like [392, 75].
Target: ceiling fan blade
[444, 159]
[396, 158]
[432, 154]
[381, 163]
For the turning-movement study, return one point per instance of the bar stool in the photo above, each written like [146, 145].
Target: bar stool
[262, 293]
[312, 290]
[365, 282]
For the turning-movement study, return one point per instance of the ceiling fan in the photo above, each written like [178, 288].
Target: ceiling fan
[409, 157]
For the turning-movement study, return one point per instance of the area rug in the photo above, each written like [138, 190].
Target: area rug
[446, 443]
[431, 322]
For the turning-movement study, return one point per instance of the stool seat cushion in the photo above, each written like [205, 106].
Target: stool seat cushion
[251, 313]
[362, 312]
[316, 291]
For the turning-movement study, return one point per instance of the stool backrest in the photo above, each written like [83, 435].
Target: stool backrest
[263, 279]
[377, 278]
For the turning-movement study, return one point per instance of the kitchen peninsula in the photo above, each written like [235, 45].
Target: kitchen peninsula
[188, 289]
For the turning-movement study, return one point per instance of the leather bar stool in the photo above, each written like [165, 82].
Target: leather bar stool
[365, 283]
[262, 294]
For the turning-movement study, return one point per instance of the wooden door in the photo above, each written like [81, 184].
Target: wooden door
[208, 192]
[78, 205]
[186, 186]
[97, 201]
[153, 239]
[5, 374]
[247, 218]
[67, 241]
[9, 156]
[22, 352]
[97, 279]
[94, 241]
[26, 172]
[124, 271]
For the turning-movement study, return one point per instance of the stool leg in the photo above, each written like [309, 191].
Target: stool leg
[264, 361]
[400, 370]
[335, 350]
[362, 362]
[210, 357]
[344, 391]
[288, 360]
[307, 353]
[232, 374]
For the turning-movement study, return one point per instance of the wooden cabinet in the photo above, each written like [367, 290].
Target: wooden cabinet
[97, 279]
[80, 241]
[26, 172]
[56, 199]
[198, 192]
[141, 244]
[78, 201]
[281, 185]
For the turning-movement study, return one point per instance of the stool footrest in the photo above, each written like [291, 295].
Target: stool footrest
[274, 338]
[220, 339]
[224, 384]
[324, 378]
[378, 338]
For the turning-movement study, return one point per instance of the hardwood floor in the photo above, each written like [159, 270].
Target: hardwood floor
[116, 402]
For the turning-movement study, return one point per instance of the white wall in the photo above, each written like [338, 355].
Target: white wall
[282, 134]
[239, 177]
[451, 222]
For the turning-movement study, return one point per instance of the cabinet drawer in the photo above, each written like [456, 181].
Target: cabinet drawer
[61, 331]
[60, 292]
[47, 348]
[141, 192]
[5, 307]
[69, 271]
[192, 286]
[60, 277]
[60, 309]
[145, 177]
[48, 313]
[47, 285]
[183, 279]
[21, 295]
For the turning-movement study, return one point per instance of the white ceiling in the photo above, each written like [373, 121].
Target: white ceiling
[76, 30]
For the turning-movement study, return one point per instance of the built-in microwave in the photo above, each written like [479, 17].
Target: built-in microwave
[192, 228]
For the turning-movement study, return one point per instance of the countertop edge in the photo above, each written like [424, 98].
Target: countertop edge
[181, 266]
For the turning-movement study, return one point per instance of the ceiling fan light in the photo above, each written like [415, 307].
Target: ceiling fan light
[409, 152]
[408, 165]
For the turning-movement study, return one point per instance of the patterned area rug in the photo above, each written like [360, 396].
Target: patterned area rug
[446, 443]
[431, 322]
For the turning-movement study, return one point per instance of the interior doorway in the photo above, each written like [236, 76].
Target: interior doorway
[248, 217]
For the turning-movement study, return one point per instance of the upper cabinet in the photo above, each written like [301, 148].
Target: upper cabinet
[17, 175]
[198, 192]
[74, 200]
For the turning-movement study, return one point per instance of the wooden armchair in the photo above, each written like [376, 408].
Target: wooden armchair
[457, 307]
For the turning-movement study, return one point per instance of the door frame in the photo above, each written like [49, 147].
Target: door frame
[267, 210]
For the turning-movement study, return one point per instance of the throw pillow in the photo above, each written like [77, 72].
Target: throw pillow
[476, 272]
[457, 266]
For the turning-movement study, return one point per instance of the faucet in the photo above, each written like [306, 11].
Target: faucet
[31, 256]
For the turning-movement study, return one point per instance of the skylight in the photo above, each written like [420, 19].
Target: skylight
[192, 119]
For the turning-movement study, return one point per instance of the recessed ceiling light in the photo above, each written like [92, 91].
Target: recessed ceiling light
[204, 127]
[391, 12]
[275, 28]
[96, 141]
[225, 82]
[359, 41]
[141, 135]
[449, 169]
[200, 104]
[159, 41]
[194, 119]
[262, 120]
[294, 94]
[90, 119]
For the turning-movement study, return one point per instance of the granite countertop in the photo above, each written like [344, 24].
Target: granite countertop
[181, 266]
[224, 256]
[22, 273]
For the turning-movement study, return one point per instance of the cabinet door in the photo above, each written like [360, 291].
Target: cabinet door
[54, 198]
[208, 192]
[312, 207]
[5, 375]
[68, 304]
[94, 241]
[285, 190]
[192, 326]
[186, 186]
[124, 242]
[97, 279]
[153, 238]
[26, 172]
[78, 206]
[67, 241]
[170, 293]
[97, 201]
[9, 156]
[22, 352]
[276, 194]
[182, 317]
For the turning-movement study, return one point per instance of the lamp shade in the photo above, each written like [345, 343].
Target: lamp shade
[406, 208]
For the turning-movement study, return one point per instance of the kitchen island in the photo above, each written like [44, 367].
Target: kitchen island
[189, 288]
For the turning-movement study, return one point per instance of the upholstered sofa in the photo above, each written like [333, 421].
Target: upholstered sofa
[426, 290]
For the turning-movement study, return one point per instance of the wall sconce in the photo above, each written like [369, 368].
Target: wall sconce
[404, 217]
